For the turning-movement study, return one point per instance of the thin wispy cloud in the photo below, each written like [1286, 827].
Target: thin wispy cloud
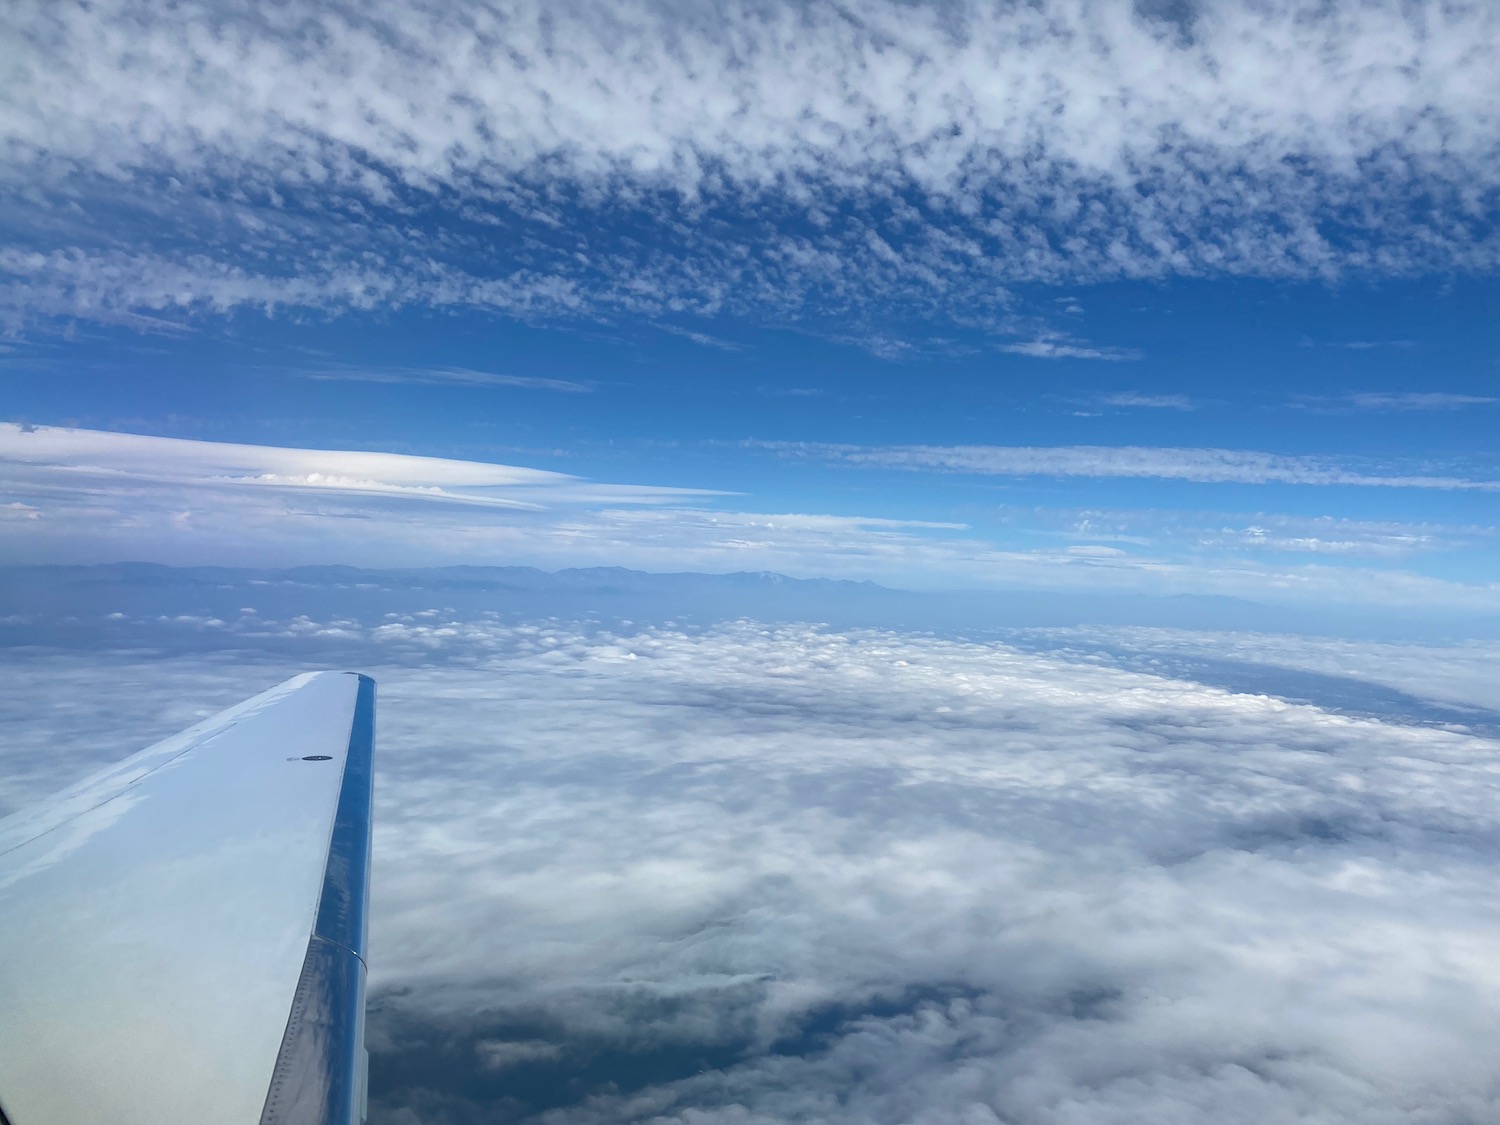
[1202, 465]
[1391, 402]
[706, 339]
[1259, 532]
[1058, 348]
[444, 376]
[1418, 400]
[787, 161]
[1149, 402]
[1255, 537]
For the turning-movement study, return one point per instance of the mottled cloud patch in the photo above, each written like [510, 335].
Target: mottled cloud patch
[896, 164]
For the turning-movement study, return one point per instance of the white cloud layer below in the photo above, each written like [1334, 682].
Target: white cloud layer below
[783, 875]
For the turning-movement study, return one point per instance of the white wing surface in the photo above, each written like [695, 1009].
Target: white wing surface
[182, 936]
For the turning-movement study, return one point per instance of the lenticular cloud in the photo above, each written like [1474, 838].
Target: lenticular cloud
[755, 874]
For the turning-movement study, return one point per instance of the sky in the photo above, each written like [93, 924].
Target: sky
[1169, 328]
[1160, 298]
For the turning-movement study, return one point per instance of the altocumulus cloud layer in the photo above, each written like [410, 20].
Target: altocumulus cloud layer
[755, 157]
[749, 874]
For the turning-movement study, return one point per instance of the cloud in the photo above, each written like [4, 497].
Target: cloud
[47, 454]
[1150, 402]
[1163, 528]
[751, 874]
[1257, 537]
[875, 161]
[1390, 402]
[446, 376]
[1417, 400]
[1056, 348]
[499, 1054]
[1099, 461]
[702, 338]
[1335, 537]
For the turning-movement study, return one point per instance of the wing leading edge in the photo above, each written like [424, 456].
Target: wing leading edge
[182, 936]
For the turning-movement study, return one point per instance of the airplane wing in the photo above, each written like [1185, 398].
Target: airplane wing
[182, 936]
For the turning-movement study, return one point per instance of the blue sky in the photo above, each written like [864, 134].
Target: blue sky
[1079, 295]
